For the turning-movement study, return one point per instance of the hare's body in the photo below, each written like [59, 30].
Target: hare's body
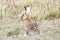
[31, 27]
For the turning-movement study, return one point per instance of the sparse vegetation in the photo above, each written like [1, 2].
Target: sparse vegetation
[40, 10]
[15, 32]
[35, 16]
[52, 15]
[1, 16]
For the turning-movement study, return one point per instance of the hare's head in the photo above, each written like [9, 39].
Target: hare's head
[27, 9]
[25, 16]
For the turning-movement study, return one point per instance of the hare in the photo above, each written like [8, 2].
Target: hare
[31, 27]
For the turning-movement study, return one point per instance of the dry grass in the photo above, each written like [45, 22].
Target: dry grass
[11, 27]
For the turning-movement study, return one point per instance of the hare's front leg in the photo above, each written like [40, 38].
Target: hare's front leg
[25, 32]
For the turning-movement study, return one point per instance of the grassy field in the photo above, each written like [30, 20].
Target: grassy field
[45, 12]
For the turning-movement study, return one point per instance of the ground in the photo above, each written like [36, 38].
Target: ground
[45, 12]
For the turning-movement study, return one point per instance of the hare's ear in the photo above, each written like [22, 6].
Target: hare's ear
[25, 8]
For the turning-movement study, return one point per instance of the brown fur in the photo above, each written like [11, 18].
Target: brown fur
[30, 26]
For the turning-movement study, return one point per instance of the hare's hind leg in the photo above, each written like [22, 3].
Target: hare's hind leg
[26, 32]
